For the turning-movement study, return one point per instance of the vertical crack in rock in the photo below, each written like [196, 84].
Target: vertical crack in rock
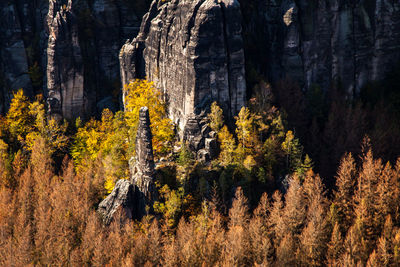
[201, 61]
[65, 64]
[228, 54]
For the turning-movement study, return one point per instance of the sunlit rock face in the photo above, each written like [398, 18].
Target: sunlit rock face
[193, 51]
[142, 166]
[65, 69]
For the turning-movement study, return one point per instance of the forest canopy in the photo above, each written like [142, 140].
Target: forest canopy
[259, 202]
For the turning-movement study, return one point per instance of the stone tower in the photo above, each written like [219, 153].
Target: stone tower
[142, 165]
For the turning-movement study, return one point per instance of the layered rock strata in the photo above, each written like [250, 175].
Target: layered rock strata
[193, 51]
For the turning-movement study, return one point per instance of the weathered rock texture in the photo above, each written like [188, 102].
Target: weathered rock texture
[323, 42]
[193, 51]
[122, 197]
[65, 70]
[136, 196]
[142, 166]
[13, 58]
[200, 139]
[74, 43]
[84, 40]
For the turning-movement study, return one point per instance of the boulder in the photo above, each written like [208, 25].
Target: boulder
[122, 197]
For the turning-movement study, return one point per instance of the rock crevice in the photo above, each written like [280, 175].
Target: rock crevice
[193, 53]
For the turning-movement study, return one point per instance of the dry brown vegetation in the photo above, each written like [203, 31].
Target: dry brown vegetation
[49, 219]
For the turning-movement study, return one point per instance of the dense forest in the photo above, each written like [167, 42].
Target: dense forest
[199, 133]
[258, 202]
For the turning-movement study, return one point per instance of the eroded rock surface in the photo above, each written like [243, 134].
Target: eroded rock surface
[142, 166]
[13, 59]
[82, 54]
[193, 51]
[65, 70]
[122, 197]
[323, 42]
[199, 137]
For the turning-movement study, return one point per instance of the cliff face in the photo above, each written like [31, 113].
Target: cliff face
[64, 63]
[13, 59]
[193, 51]
[66, 50]
[323, 41]
[84, 40]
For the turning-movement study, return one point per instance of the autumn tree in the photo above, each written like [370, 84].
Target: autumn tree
[343, 203]
[216, 117]
[141, 93]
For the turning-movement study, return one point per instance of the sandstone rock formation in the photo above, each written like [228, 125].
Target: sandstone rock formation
[82, 54]
[136, 196]
[65, 70]
[122, 197]
[199, 137]
[193, 51]
[323, 42]
[142, 166]
[13, 59]
[83, 37]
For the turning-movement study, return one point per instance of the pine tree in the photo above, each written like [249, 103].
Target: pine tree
[335, 247]
[343, 196]
[237, 245]
[216, 117]
[228, 146]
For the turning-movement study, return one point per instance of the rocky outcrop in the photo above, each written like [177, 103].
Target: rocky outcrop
[142, 166]
[65, 83]
[73, 43]
[136, 196]
[323, 42]
[199, 137]
[121, 198]
[13, 58]
[193, 51]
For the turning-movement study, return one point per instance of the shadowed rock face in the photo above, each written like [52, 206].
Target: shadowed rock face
[323, 42]
[13, 59]
[193, 51]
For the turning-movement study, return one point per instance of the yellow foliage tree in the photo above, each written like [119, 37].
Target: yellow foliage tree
[216, 117]
[106, 140]
[248, 142]
[228, 146]
[140, 93]
[18, 118]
